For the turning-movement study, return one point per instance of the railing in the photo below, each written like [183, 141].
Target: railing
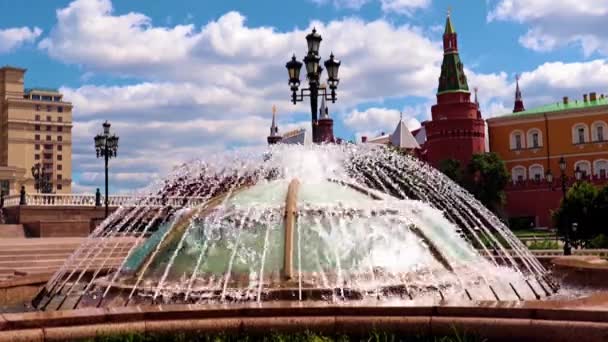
[89, 200]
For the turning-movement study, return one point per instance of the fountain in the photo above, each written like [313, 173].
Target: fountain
[300, 223]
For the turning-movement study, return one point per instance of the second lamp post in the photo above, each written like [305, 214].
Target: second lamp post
[106, 146]
[313, 74]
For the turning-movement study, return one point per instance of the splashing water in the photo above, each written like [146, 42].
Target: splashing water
[329, 222]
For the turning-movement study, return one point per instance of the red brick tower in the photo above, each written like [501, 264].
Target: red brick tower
[519, 103]
[325, 124]
[456, 130]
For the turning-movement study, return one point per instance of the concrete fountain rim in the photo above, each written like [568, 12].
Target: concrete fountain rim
[528, 320]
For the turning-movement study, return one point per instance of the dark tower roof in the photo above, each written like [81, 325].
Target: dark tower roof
[274, 136]
[452, 78]
[519, 102]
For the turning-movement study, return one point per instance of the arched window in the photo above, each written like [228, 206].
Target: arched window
[535, 138]
[517, 140]
[600, 168]
[518, 174]
[599, 129]
[536, 172]
[580, 133]
[584, 166]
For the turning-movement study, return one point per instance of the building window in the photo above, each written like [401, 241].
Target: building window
[5, 186]
[536, 172]
[59, 167]
[48, 147]
[584, 167]
[535, 139]
[49, 108]
[581, 135]
[48, 128]
[37, 137]
[59, 187]
[59, 157]
[60, 129]
[48, 118]
[59, 138]
[48, 156]
[59, 147]
[518, 174]
[48, 138]
[37, 127]
[60, 109]
[600, 168]
[37, 107]
[37, 118]
[37, 146]
[58, 177]
[600, 133]
[598, 129]
[518, 141]
[60, 119]
[36, 157]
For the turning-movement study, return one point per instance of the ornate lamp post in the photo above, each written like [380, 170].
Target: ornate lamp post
[106, 146]
[313, 74]
[549, 178]
[578, 174]
[42, 179]
[562, 168]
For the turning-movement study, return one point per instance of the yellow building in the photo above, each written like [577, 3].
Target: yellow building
[531, 142]
[35, 128]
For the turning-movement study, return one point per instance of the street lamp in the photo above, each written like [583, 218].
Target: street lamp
[549, 178]
[42, 179]
[562, 168]
[313, 74]
[578, 174]
[106, 146]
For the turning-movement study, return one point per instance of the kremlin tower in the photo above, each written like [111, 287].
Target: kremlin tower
[274, 136]
[456, 130]
[325, 124]
[519, 103]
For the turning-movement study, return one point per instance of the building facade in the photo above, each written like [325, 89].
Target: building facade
[456, 130]
[35, 128]
[532, 142]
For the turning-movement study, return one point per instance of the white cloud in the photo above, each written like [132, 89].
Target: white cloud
[13, 38]
[557, 23]
[404, 6]
[206, 88]
[395, 6]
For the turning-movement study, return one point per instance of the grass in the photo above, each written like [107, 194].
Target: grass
[533, 233]
[281, 337]
[544, 244]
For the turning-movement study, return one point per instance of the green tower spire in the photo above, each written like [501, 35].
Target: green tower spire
[452, 77]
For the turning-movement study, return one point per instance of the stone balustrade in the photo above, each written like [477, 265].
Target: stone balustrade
[88, 200]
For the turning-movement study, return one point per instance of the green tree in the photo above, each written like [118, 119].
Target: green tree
[486, 178]
[452, 169]
[581, 207]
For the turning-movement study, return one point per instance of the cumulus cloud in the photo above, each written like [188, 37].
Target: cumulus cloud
[12, 38]
[557, 23]
[395, 6]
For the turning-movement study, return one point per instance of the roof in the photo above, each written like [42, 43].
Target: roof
[403, 138]
[41, 89]
[449, 28]
[558, 107]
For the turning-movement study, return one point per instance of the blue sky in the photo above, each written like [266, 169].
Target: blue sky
[186, 78]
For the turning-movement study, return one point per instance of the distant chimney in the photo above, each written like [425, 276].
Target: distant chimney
[364, 139]
[585, 98]
[592, 97]
[565, 100]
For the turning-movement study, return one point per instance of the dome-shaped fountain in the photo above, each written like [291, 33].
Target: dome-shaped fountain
[300, 223]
